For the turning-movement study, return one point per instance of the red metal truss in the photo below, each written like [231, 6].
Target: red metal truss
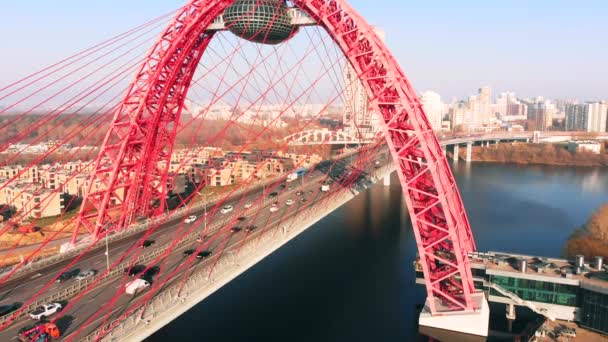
[132, 167]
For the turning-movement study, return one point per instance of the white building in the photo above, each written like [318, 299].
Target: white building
[585, 146]
[433, 108]
[359, 121]
[597, 116]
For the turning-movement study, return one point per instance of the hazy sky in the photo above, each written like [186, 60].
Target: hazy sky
[555, 48]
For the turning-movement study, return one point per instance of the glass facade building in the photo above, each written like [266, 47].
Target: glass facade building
[594, 313]
[537, 291]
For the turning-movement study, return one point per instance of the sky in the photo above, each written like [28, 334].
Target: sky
[553, 48]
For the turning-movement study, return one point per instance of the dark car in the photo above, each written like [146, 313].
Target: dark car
[273, 195]
[235, 229]
[242, 218]
[303, 200]
[68, 275]
[250, 228]
[203, 254]
[188, 252]
[151, 272]
[147, 243]
[134, 270]
[282, 186]
[6, 309]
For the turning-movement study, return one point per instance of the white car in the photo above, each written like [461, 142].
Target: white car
[274, 208]
[45, 310]
[133, 287]
[248, 205]
[86, 274]
[190, 219]
[290, 202]
[227, 209]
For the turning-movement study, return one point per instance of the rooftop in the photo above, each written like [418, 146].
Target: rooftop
[541, 268]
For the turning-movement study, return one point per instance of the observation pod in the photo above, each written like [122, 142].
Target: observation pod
[260, 21]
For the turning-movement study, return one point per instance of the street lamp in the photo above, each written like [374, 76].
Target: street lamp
[205, 208]
[107, 254]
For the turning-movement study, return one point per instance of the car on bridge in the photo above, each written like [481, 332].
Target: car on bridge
[274, 208]
[45, 310]
[150, 272]
[273, 195]
[290, 202]
[235, 229]
[86, 274]
[67, 275]
[226, 209]
[40, 332]
[6, 309]
[203, 254]
[188, 252]
[201, 238]
[250, 228]
[241, 218]
[136, 286]
[248, 205]
[147, 243]
[134, 270]
[190, 219]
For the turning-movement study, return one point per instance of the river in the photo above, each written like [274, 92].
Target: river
[350, 277]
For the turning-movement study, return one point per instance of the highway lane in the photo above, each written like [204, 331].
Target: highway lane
[89, 304]
[22, 288]
[96, 259]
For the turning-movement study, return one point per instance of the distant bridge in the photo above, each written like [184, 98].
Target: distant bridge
[323, 137]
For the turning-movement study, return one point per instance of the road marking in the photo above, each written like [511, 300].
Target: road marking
[36, 275]
[39, 286]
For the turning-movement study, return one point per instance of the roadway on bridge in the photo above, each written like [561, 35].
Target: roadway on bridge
[259, 215]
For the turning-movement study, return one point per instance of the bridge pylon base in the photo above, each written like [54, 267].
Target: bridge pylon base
[472, 323]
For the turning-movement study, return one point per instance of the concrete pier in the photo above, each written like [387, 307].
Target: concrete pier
[455, 156]
[387, 179]
[473, 323]
[469, 155]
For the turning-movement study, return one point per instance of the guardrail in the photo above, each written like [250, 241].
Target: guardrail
[252, 249]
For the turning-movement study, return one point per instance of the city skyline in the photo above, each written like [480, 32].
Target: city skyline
[533, 41]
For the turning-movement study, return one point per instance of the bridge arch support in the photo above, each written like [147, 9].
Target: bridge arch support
[143, 131]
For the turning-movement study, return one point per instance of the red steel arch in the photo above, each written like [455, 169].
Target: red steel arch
[133, 162]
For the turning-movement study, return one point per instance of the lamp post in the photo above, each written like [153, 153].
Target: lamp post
[107, 254]
[205, 209]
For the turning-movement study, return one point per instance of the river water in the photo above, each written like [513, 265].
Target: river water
[350, 277]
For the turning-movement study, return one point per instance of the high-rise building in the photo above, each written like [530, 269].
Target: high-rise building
[480, 106]
[509, 108]
[597, 116]
[433, 108]
[576, 120]
[359, 121]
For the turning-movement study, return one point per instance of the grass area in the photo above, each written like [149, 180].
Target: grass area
[209, 192]
[15, 258]
[49, 221]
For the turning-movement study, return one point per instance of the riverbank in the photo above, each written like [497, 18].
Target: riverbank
[540, 154]
[591, 239]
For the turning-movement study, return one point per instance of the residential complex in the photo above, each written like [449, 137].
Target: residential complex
[33, 193]
[480, 113]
